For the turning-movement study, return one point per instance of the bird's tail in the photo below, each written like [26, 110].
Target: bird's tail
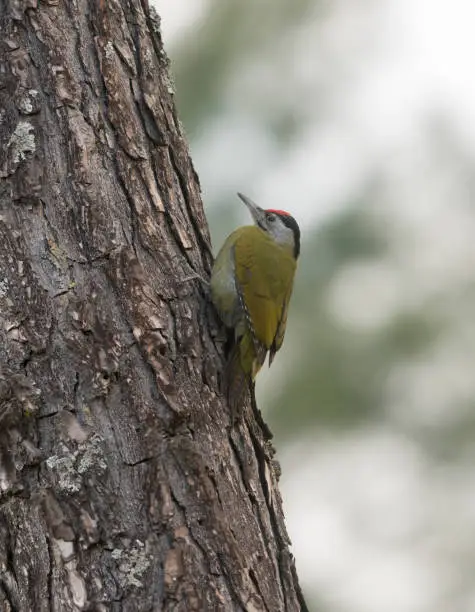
[244, 361]
[236, 383]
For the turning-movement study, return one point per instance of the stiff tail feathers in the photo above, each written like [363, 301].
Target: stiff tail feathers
[236, 382]
[244, 362]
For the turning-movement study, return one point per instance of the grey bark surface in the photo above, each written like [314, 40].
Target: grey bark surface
[123, 485]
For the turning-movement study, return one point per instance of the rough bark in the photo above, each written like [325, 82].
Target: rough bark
[123, 485]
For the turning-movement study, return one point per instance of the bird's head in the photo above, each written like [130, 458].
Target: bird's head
[279, 224]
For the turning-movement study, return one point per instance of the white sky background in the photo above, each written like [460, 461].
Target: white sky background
[376, 526]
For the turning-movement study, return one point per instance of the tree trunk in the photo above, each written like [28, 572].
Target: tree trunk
[123, 485]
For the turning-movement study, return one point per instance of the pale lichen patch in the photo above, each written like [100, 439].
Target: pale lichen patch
[109, 50]
[133, 564]
[63, 467]
[91, 456]
[3, 287]
[28, 104]
[22, 141]
[69, 469]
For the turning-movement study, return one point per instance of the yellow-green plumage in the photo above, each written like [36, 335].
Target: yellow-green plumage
[264, 277]
[251, 286]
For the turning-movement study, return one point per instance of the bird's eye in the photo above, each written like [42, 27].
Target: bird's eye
[270, 217]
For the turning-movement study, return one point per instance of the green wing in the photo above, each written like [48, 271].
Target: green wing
[279, 336]
[264, 278]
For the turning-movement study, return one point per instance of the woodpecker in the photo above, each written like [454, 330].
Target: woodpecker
[251, 285]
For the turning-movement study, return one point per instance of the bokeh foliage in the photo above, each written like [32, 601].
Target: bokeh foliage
[336, 376]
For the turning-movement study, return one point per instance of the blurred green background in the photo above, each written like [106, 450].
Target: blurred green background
[358, 118]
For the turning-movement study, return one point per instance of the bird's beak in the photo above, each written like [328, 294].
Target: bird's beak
[258, 214]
